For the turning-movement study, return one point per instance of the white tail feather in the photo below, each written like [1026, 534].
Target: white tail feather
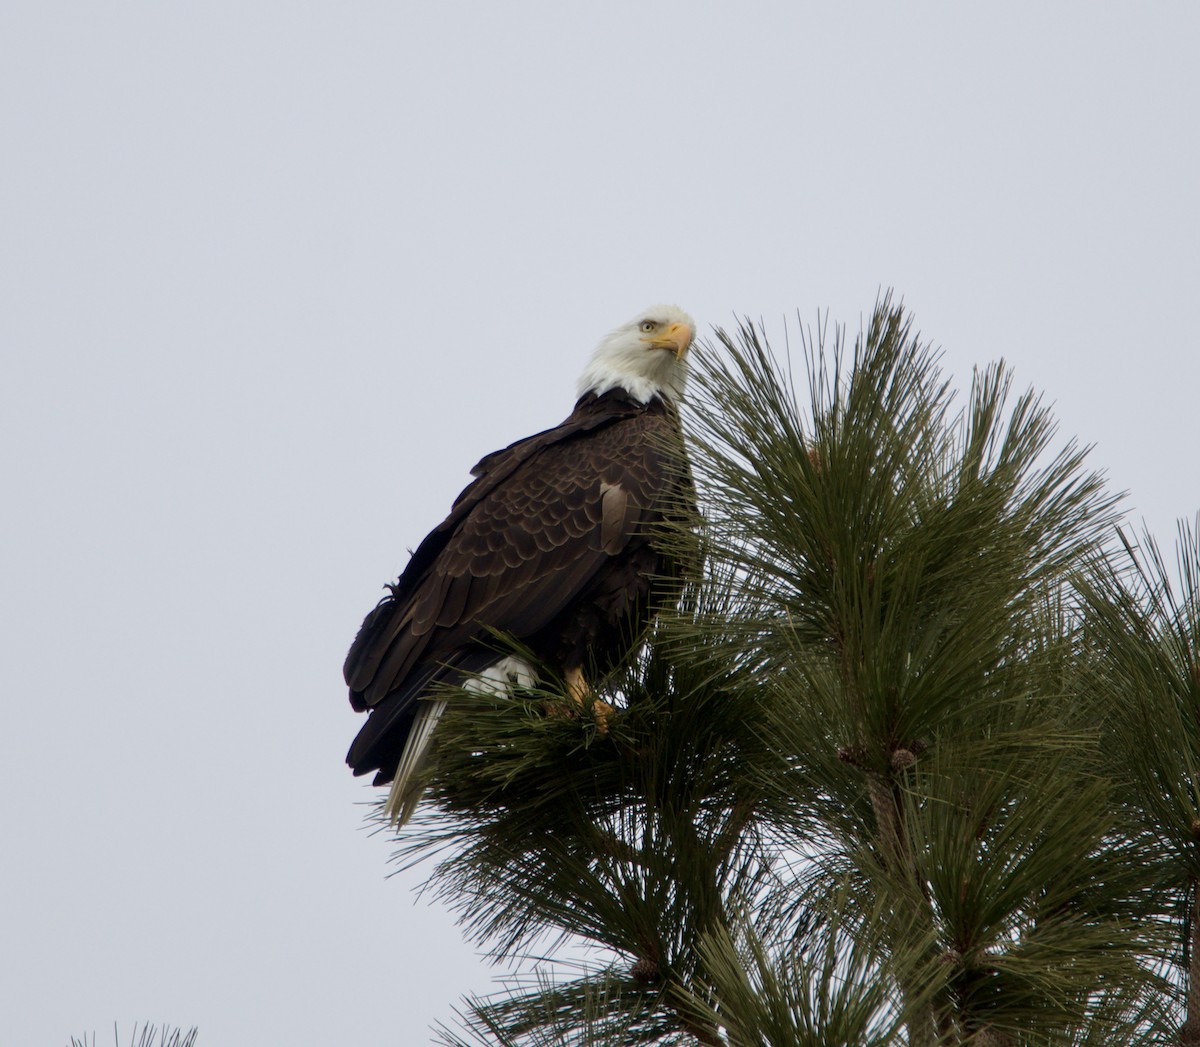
[405, 795]
[497, 679]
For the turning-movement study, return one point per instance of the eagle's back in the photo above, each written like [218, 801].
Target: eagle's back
[551, 544]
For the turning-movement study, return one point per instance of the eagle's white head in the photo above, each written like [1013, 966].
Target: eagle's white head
[645, 356]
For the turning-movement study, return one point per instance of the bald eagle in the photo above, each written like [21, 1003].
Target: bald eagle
[553, 545]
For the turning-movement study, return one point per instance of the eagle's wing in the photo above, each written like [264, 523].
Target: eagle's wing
[521, 543]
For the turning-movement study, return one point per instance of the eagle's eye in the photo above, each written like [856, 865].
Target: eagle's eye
[648, 326]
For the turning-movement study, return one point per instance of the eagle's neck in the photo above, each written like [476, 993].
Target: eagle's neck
[608, 371]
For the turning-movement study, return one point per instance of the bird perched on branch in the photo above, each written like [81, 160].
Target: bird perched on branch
[558, 544]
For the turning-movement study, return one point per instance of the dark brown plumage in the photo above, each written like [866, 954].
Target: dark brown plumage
[553, 545]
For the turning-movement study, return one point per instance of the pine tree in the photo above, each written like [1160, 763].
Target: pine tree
[867, 785]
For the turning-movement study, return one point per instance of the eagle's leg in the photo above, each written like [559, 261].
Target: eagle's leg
[578, 691]
[577, 686]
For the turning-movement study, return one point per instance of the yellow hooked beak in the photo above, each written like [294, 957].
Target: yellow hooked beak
[678, 337]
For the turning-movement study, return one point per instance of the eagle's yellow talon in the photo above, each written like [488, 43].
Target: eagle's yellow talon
[578, 690]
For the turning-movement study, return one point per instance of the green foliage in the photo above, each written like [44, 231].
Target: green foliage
[636, 839]
[1143, 627]
[906, 567]
[900, 549]
[600, 1008]
[1144, 621]
[864, 787]
[824, 989]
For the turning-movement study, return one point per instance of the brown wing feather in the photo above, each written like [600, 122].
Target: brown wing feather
[522, 542]
[515, 561]
[382, 629]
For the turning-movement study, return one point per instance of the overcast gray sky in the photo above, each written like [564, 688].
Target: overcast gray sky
[274, 275]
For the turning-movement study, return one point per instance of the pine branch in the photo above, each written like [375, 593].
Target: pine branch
[825, 989]
[1143, 621]
[636, 840]
[602, 1007]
